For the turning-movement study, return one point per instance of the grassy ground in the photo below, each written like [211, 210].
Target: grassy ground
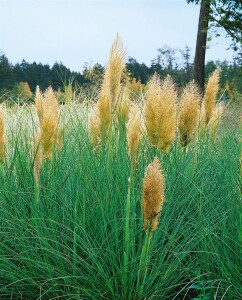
[66, 240]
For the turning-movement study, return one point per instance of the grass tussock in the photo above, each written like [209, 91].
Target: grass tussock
[72, 226]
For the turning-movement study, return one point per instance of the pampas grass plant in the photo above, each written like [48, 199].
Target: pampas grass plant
[83, 237]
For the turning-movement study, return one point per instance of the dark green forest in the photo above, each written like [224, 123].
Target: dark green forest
[175, 62]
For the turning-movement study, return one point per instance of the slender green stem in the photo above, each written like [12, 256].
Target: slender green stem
[144, 261]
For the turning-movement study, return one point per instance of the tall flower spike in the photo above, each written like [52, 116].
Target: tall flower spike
[48, 113]
[2, 139]
[210, 95]
[100, 118]
[114, 70]
[134, 132]
[153, 194]
[188, 113]
[160, 112]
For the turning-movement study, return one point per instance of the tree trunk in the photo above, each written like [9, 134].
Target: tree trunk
[199, 62]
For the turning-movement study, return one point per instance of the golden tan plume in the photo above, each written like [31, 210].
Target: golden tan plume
[160, 112]
[211, 91]
[134, 132]
[48, 114]
[153, 194]
[188, 113]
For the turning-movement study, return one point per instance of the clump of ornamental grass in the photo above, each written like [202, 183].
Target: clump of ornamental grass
[2, 138]
[134, 134]
[188, 113]
[160, 112]
[153, 194]
[100, 118]
[215, 119]
[48, 114]
[211, 91]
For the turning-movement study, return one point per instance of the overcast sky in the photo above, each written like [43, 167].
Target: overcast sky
[78, 31]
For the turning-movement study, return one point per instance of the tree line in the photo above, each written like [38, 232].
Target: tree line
[175, 62]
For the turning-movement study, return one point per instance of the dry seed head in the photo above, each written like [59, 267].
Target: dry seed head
[48, 113]
[2, 140]
[210, 94]
[38, 155]
[153, 194]
[134, 132]
[188, 112]
[160, 112]
[114, 70]
[215, 119]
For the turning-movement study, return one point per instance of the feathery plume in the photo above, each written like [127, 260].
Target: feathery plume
[188, 113]
[37, 155]
[153, 194]
[215, 119]
[134, 132]
[114, 70]
[210, 94]
[48, 113]
[160, 112]
[100, 118]
[2, 139]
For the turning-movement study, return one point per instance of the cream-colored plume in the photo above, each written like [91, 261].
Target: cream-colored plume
[211, 94]
[188, 113]
[48, 114]
[134, 132]
[160, 112]
[153, 194]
